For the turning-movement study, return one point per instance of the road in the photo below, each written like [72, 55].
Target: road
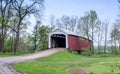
[7, 62]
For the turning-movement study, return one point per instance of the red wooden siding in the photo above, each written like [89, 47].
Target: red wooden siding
[78, 43]
[73, 42]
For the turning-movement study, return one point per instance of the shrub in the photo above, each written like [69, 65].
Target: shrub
[86, 52]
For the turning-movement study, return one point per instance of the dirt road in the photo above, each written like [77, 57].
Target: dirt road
[6, 63]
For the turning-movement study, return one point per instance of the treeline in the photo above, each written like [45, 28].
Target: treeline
[106, 36]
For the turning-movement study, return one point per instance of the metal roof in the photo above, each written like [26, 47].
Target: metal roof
[65, 31]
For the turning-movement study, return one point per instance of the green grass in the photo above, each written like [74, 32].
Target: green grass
[105, 68]
[59, 63]
[11, 54]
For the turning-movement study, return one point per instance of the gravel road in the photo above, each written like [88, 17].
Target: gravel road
[7, 62]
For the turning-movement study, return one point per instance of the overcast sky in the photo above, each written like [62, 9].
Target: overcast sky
[104, 8]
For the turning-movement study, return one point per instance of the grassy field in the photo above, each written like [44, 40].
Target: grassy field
[59, 63]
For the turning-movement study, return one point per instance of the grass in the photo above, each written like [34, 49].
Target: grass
[11, 54]
[105, 68]
[59, 63]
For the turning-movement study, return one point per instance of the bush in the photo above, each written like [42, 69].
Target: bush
[86, 52]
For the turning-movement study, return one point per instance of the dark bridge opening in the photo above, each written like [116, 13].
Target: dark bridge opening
[58, 40]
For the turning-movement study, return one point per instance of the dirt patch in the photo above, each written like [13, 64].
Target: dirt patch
[77, 71]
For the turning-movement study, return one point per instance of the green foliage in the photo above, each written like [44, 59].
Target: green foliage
[0, 19]
[40, 37]
[24, 46]
[6, 23]
[86, 52]
[43, 32]
[115, 38]
[114, 50]
[8, 44]
[13, 23]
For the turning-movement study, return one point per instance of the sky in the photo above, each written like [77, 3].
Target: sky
[106, 9]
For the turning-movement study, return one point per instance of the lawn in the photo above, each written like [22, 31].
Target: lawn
[59, 63]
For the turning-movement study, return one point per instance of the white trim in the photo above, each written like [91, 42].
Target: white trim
[49, 41]
[66, 41]
[57, 31]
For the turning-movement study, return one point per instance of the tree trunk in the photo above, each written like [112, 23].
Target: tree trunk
[35, 46]
[99, 43]
[119, 44]
[115, 49]
[2, 37]
[2, 45]
[112, 46]
[2, 42]
[12, 44]
[105, 44]
[16, 43]
[89, 44]
[93, 42]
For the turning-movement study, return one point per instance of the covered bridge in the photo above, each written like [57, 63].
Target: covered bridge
[66, 39]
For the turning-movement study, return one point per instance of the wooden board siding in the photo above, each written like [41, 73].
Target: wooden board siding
[78, 43]
[85, 43]
[73, 42]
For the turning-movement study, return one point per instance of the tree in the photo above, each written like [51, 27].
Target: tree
[43, 37]
[116, 32]
[115, 36]
[100, 36]
[94, 23]
[105, 24]
[88, 24]
[35, 38]
[83, 26]
[117, 23]
[67, 22]
[22, 9]
[40, 37]
[73, 23]
[52, 22]
[5, 10]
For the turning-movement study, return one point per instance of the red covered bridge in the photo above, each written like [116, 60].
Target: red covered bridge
[67, 39]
